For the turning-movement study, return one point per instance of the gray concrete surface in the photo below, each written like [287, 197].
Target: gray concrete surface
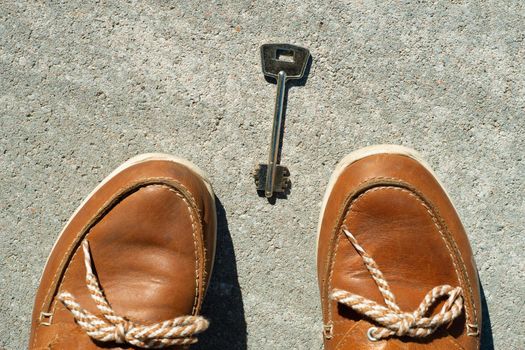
[84, 86]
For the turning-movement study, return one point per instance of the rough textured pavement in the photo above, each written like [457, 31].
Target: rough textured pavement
[86, 86]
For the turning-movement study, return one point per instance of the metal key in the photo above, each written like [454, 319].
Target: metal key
[283, 62]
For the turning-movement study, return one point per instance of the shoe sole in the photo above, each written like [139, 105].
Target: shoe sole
[363, 153]
[146, 157]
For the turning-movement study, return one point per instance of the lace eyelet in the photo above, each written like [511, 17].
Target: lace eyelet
[328, 330]
[369, 334]
[46, 318]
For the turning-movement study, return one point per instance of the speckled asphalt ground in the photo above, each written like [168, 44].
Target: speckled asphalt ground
[84, 86]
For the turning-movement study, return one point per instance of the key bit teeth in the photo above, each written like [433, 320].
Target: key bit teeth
[284, 185]
[281, 184]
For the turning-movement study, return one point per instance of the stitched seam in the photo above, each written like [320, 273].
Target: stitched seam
[199, 265]
[433, 219]
[106, 207]
[36, 334]
[333, 246]
[350, 201]
[429, 211]
[464, 278]
[195, 247]
[451, 245]
[335, 236]
[82, 233]
[453, 251]
[346, 213]
[179, 330]
[195, 244]
[70, 249]
[331, 275]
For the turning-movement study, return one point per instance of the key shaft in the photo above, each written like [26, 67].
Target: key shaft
[283, 62]
[276, 135]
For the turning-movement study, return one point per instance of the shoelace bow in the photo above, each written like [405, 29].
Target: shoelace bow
[114, 328]
[391, 319]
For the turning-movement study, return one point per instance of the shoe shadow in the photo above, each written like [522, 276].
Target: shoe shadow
[487, 342]
[223, 304]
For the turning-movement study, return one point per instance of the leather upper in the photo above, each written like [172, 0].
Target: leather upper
[402, 217]
[151, 230]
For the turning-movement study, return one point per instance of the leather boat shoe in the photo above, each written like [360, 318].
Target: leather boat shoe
[395, 266]
[131, 267]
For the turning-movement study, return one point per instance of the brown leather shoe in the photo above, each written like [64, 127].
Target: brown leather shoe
[131, 267]
[395, 266]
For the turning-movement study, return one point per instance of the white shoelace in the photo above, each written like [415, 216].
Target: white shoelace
[391, 320]
[114, 328]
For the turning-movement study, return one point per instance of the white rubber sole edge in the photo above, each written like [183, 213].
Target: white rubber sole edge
[363, 153]
[141, 158]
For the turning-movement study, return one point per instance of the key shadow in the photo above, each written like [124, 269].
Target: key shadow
[292, 83]
[223, 304]
[487, 341]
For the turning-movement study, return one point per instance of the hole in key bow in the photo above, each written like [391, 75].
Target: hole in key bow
[285, 55]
